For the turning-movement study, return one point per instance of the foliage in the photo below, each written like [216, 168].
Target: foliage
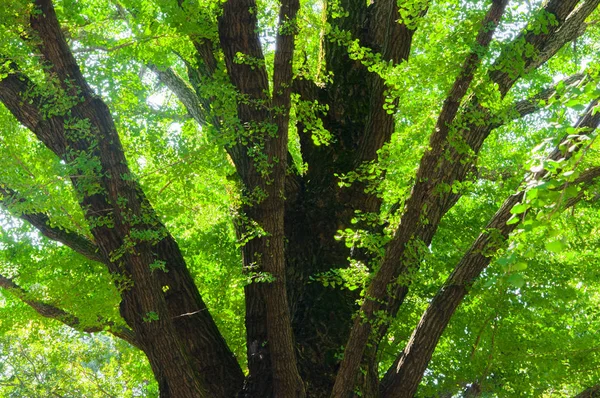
[44, 362]
[528, 325]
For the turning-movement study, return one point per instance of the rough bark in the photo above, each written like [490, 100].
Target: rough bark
[592, 392]
[262, 166]
[292, 219]
[402, 379]
[359, 126]
[426, 183]
[185, 365]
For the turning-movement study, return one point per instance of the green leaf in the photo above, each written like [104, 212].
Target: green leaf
[555, 246]
[513, 220]
[519, 266]
[532, 194]
[516, 280]
[519, 208]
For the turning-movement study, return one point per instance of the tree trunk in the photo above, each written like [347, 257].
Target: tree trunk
[303, 338]
[592, 392]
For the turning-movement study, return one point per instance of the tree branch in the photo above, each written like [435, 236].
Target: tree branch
[52, 312]
[166, 340]
[184, 92]
[16, 92]
[394, 39]
[238, 34]
[239, 37]
[56, 51]
[513, 63]
[41, 222]
[453, 164]
[263, 135]
[530, 105]
[403, 378]
[389, 32]
[427, 177]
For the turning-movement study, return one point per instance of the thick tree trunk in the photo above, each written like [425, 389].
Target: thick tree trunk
[296, 327]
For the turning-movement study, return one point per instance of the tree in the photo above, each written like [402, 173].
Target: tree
[377, 149]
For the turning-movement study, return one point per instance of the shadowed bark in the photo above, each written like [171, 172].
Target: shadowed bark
[592, 392]
[302, 339]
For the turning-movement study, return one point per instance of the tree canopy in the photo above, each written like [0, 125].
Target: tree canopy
[342, 198]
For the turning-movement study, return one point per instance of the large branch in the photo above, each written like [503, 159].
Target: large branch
[15, 91]
[393, 38]
[55, 50]
[213, 355]
[532, 104]
[404, 376]
[457, 164]
[118, 199]
[376, 291]
[238, 34]
[570, 23]
[286, 377]
[243, 54]
[260, 158]
[388, 33]
[53, 312]
[41, 222]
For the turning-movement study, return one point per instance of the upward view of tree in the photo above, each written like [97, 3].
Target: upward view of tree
[388, 198]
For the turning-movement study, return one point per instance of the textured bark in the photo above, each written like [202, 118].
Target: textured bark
[184, 365]
[359, 126]
[294, 328]
[319, 207]
[428, 176]
[271, 352]
[402, 379]
[393, 40]
[592, 392]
